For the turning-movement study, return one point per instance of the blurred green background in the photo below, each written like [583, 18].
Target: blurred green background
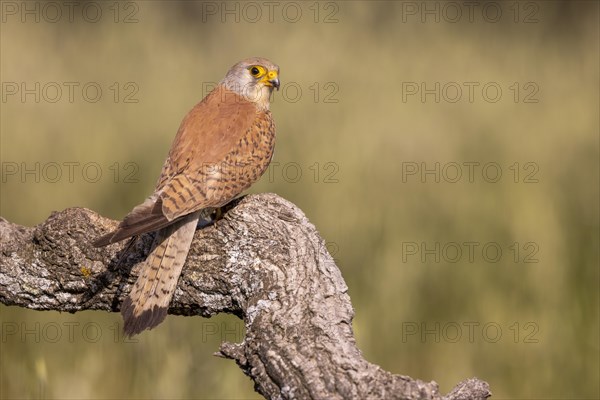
[394, 121]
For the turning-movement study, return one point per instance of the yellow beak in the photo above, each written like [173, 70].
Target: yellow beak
[271, 79]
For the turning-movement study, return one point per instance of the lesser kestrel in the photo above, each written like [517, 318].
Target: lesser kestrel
[223, 145]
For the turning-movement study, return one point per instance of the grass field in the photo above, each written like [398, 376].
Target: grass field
[448, 155]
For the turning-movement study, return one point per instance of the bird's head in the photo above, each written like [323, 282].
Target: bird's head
[254, 79]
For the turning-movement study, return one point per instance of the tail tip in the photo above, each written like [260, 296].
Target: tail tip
[135, 323]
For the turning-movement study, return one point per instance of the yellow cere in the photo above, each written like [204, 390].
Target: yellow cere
[271, 75]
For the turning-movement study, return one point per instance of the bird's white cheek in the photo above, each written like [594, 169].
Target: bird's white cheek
[264, 97]
[247, 90]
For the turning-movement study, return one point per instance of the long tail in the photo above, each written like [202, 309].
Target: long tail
[147, 304]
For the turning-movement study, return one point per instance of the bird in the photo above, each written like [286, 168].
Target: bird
[223, 145]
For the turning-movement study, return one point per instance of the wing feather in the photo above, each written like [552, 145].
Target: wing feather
[146, 217]
[191, 176]
[207, 135]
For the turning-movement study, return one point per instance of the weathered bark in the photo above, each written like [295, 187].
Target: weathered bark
[264, 262]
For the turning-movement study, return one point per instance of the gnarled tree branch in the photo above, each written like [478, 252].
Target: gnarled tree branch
[264, 262]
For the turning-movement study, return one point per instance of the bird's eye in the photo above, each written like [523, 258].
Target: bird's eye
[256, 71]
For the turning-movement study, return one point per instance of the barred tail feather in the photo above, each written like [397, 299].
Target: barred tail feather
[147, 304]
